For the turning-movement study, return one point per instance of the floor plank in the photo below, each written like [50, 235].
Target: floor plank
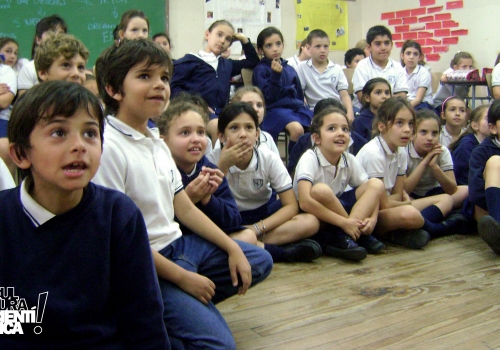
[444, 296]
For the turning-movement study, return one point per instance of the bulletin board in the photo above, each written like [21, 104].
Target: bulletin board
[330, 16]
[247, 16]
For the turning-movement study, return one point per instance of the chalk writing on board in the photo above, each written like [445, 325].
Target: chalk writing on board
[50, 2]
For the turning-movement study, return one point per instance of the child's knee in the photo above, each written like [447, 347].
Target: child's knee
[410, 217]
[493, 165]
[376, 185]
[321, 192]
[308, 222]
[295, 131]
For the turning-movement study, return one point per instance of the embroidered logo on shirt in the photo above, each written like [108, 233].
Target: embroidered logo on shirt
[257, 183]
[391, 79]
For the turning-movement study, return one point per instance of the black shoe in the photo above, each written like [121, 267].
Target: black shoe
[342, 246]
[457, 224]
[302, 251]
[413, 239]
[489, 231]
[370, 243]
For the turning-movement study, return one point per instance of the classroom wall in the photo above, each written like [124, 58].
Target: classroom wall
[480, 17]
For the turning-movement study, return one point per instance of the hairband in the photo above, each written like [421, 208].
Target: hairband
[446, 100]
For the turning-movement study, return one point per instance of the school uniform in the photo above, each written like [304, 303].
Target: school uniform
[445, 139]
[318, 86]
[367, 69]
[380, 162]
[141, 166]
[221, 208]
[420, 78]
[6, 180]
[209, 76]
[363, 123]
[284, 97]
[252, 187]
[479, 156]
[306, 142]
[294, 61]
[428, 181]
[27, 77]
[461, 156]
[9, 77]
[495, 76]
[315, 168]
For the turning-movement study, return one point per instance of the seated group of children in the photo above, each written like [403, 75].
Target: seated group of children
[145, 267]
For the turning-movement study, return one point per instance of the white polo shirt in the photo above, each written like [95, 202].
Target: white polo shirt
[315, 168]
[294, 61]
[6, 180]
[380, 162]
[495, 76]
[9, 77]
[265, 139]
[141, 166]
[428, 181]
[317, 86]
[420, 78]
[367, 69]
[27, 77]
[252, 187]
[445, 139]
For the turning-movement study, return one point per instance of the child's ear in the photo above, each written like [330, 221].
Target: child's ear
[111, 92]
[475, 126]
[221, 137]
[206, 34]
[381, 127]
[493, 129]
[23, 163]
[43, 75]
[316, 139]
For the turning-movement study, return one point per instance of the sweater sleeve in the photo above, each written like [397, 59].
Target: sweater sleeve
[461, 156]
[135, 293]
[250, 61]
[269, 82]
[182, 74]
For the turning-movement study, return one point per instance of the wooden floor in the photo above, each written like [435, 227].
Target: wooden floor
[446, 296]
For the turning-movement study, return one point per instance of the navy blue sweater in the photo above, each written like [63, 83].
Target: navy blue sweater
[95, 262]
[461, 155]
[477, 163]
[193, 75]
[281, 90]
[363, 123]
[221, 208]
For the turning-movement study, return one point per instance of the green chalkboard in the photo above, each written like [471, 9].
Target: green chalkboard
[91, 21]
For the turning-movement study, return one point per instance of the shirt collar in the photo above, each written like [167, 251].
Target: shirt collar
[210, 55]
[413, 152]
[389, 64]
[495, 141]
[385, 146]
[37, 214]
[324, 162]
[330, 64]
[129, 131]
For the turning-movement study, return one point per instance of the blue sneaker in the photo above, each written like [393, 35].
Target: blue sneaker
[370, 243]
[489, 231]
[342, 246]
[413, 239]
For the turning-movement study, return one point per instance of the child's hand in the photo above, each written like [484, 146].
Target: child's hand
[406, 198]
[276, 66]
[240, 37]
[433, 154]
[214, 181]
[368, 226]
[232, 154]
[352, 227]
[238, 265]
[199, 187]
[4, 88]
[198, 286]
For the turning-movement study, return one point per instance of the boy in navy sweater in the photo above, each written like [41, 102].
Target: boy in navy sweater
[84, 244]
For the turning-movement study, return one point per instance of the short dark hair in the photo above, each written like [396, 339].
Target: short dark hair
[375, 31]
[266, 33]
[127, 17]
[115, 62]
[45, 101]
[162, 35]
[46, 24]
[316, 33]
[494, 112]
[351, 53]
[329, 102]
[231, 111]
[388, 111]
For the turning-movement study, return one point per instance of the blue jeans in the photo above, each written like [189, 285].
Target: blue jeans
[190, 323]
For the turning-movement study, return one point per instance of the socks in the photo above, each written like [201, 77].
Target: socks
[492, 195]
[433, 218]
[277, 253]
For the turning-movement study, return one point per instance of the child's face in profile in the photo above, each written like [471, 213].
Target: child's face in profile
[256, 102]
[482, 127]
[334, 137]
[319, 49]
[455, 113]
[137, 28]
[426, 137]
[68, 69]
[186, 140]
[380, 49]
[64, 156]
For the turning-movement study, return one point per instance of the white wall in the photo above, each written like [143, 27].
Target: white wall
[480, 17]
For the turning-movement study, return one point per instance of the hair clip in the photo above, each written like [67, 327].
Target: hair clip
[444, 102]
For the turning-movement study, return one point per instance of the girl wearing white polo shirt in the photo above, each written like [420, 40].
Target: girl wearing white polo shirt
[321, 177]
[418, 77]
[454, 115]
[258, 171]
[401, 220]
[430, 167]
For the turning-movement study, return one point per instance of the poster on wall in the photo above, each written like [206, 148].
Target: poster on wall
[247, 16]
[330, 16]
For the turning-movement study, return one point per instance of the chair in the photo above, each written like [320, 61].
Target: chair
[348, 74]
[246, 75]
